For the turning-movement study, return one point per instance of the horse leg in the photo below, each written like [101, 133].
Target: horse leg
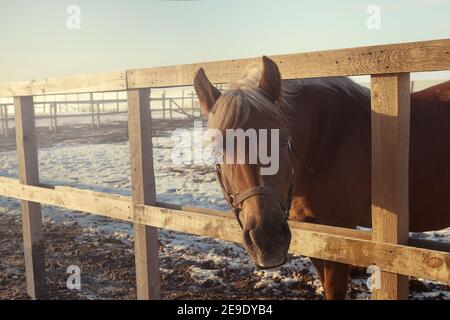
[336, 280]
[318, 264]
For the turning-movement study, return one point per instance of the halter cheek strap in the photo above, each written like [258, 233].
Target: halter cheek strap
[235, 201]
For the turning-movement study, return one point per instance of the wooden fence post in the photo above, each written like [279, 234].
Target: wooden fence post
[33, 237]
[144, 192]
[193, 104]
[56, 118]
[182, 98]
[6, 120]
[150, 104]
[50, 125]
[171, 110]
[390, 171]
[164, 105]
[53, 117]
[98, 115]
[2, 122]
[91, 97]
[117, 103]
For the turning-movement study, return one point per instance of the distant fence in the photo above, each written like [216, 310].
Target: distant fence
[388, 246]
[169, 108]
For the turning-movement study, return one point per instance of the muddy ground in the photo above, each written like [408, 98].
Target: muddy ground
[108, 272]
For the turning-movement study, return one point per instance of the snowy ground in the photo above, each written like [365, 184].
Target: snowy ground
[81, 119]
[106, 167]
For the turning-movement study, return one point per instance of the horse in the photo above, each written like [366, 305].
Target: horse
[324, 127]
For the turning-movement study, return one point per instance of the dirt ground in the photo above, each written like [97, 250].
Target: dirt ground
[107, 267]
[107, 263]
[108, 272]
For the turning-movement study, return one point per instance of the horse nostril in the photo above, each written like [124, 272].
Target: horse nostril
[250, 239]
[252, 236]
[247, 238]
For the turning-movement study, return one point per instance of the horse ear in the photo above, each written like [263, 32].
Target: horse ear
[206, 92]
[270, 81]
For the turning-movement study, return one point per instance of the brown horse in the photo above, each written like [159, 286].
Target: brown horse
[325, 137]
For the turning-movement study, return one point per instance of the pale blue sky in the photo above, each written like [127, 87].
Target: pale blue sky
[122, 34]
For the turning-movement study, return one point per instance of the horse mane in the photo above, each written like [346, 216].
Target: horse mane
[233, 109]
[340, 86]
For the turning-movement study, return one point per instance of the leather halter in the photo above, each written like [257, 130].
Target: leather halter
[235, 200]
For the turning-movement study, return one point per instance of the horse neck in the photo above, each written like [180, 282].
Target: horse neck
[320, 121]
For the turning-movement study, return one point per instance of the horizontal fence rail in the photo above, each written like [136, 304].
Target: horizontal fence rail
[422, 56]
[323, 242]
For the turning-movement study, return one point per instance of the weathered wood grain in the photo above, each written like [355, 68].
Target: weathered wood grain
[144, 193]
[65, 85]
[390, 171]
[381, 59]
[322, 242]
[421, 56]
[33, 237]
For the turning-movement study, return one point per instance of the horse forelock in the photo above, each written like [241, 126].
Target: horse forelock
[234, 109]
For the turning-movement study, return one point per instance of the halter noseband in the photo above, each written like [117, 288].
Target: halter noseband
[235, 201]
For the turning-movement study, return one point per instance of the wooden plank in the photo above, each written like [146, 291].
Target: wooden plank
[381, 59]
[193, 104]
[96, 203]
[50, 125]
[388, 257]
[6, 120]
[144, 193]
[53, 117]
[91, 98]
[33, 237]
[76, 84]
[98, 115]
[117, 103]
[55, 121]
[390, 171]
[322, 242]
[2, 121]
[422, 56]
[73, 198]
[164, 105]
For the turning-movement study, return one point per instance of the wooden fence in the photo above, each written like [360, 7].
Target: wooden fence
[184, 105]
[388, 246]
